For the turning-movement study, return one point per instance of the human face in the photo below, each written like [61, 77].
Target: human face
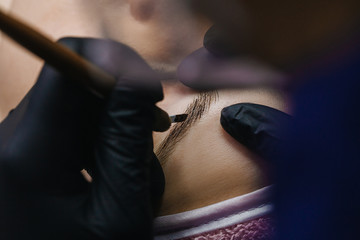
[161, 31]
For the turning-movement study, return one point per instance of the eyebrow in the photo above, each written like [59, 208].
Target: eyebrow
[195, 111]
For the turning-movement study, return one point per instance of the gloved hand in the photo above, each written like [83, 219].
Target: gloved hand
[220, 64]
[203, 70]
[257, 127]
[60, 128]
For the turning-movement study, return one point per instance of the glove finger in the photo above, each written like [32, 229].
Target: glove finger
[119, 60]
[218, 45]
[50, 134]
[121, 191]
[202, 70]
[257, 127]
[157, 182]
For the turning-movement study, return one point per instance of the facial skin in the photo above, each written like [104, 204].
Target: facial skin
[18, 68]
[163, 35]
[206, 165]
[4, 5]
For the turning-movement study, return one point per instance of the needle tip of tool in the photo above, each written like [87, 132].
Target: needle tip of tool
[178, 118]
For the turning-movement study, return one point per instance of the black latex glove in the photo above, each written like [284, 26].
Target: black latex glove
[257, 127]
[219, 64]
[216, 43]
[57, 129]
[203, 70]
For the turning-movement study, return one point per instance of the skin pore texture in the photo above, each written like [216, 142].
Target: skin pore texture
[206, 165]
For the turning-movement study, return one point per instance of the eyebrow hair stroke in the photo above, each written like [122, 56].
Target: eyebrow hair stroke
[195, 111]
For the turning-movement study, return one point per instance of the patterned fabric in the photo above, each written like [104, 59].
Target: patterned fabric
[247, 217]
[257, 229]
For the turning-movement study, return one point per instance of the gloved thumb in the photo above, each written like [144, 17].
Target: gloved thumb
[257, 127]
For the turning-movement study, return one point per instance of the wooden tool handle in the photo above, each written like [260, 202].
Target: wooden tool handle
[67, 62]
